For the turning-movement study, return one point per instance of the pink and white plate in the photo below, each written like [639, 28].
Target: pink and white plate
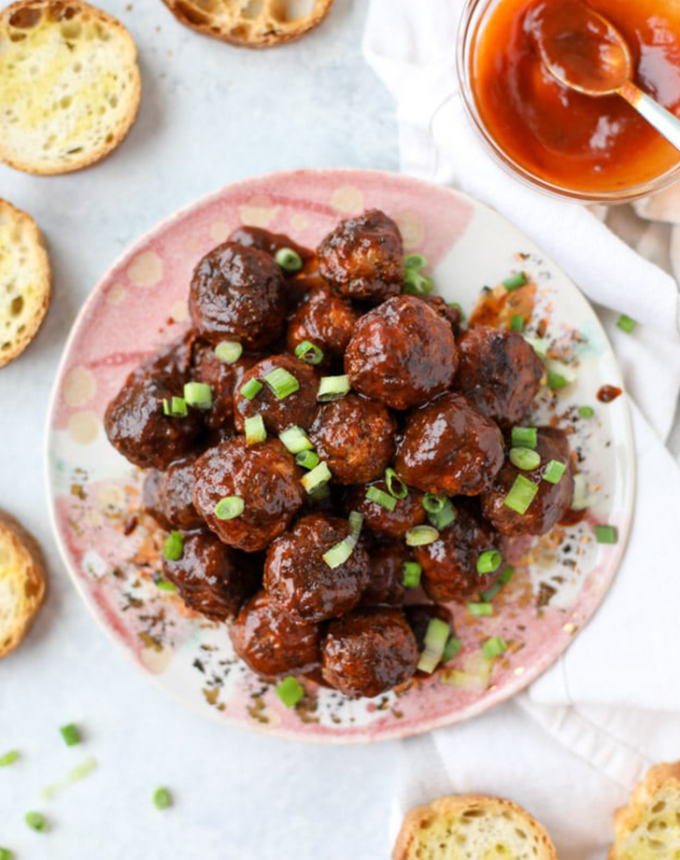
[142, 302]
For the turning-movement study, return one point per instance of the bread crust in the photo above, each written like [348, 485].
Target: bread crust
[121, 131]
[43, 280]
[272, 32]
[423, 816]
[23, 543]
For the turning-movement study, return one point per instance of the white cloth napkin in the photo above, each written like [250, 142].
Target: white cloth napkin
[612, 702]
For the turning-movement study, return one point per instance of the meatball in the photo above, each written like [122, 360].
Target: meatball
[152, 497]
[298, 580]
[450, 563]
[364, 257]
[299, 408]
[238, 293]
[264, 476]
[355, 437]
[327, 321]
[402, 353]
[224, 379]
[210, 577]
[499, 373]
[386, 585]
[178, 495]
[447, 312]
[450, 448]
[263, 240]
[407, 513]
[419, 616]
[368, 652]
[271, 644]
[551, 502]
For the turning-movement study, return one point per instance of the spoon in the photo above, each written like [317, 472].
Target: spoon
[585, 52]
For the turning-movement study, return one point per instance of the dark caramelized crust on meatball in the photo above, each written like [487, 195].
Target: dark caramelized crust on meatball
[326, 320]
[355, 437]
[550, 503]
[298, 580]
[299, 408]
[364, 257]
[407, 513]
[368, 652]
[450, 448]
[386, 585]
[402, 353]
[224, 379]
[271, 644]
[178, 494]
[238, 293]
[264, 476]
[499, 373]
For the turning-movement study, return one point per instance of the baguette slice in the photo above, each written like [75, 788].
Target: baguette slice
[251, 23]
[22, 582]
[648, 828]
[472, 827]
[69, 85]
[25, 281]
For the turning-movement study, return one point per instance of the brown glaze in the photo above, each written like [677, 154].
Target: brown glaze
[572, 518]
[386, 585]
[224, 379]
[264, 240]
[325, 320]
[608, 393]
[407, 513]
[178, 494]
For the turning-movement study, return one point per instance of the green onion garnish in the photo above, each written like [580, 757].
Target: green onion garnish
[6, 854]
[290, 691]
[514, 282]
[416, 284]
[415, 261]
[307, 459]
[176, 407]
[606, 534]
[198, 394]
[459, 308]
[161, 798]
[554, 471]
[339, 553]
[254, 429]
[165, 585]
[295, 439]
[586, 411]
[517, 322]
[436, 637]
[70, 734]
[252, 388]
[443, 518]
[556, 381]
[76, 774]
[9, 758]
[524, 437]
[395, 485]
[37, 821]
[318, 477]
[433, 504]
[451, 649]
[288, 260]
[421, 536]
[626, 324]
[332, 388]
[229, 351]
[494, 647]
[380, 497]
[503, 579]
[521, 495]
[525, 458]
[538, 344]
[506, 574]
[412, 573]
[229, 508]
[281, 382]
[173, 548]
[480, 610]
[309, 352]
[488, 595]
[488, 562]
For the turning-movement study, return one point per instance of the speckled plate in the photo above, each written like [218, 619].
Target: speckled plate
[141, 303]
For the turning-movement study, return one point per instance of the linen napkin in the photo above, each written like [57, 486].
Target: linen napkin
[583, 733]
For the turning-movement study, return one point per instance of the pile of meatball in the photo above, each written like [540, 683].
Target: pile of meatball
[429, 404]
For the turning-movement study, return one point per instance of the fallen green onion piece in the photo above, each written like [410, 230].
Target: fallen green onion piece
[229, 508]
[281, 382]
[6, 854]
[515, 281]
[415, 261]
[489, 562]
[458, 307]
[626, 323]
[165, 585]
[288, 260]
[480, 610]
[176, 407]
[433, 504]
[554, 471]
[524, 437]
[339, 553]
[380, 497]
[229, 351]
[494, 647]
[395, 485]
[488, 596]
[76, 774]
[451, 649]
[416, 284]
[254, 429]
[70, 734]
[441, 519]
[521, 495]
[251, 389]
[309, 352]
[9, 758]
[556, 381]
[173, 548]
[436, 637]
[606, 534]
[318, 477]
[36, 821]
[161, 798]
[198, 394]
[412, 573]
[295, 440]
[307, 459]
[538, 344]
[332, 388]
[525, 458]
[290, 691]
[506, 574]
[503, 579]
[517, 322]
[421, 536]
[586, 411]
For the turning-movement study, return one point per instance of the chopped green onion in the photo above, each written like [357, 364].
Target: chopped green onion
[412, 573]
[416, 284]
[517, 322]
[37, 821]
[176, 407]
[307, 459]
[229, 508]
[415, 261]
[433, 504]
[309, 352]
[173, 548]
[436, 637]
[506, 574]
[161, 798]
[290, 691]
[6, 854]
[488, 595]
[70, 734]
[503, 579]
[524, 437]
[295, 439]
[421, 536]
[586, 411]
[494, 647]
[480, 610]
[395, 485]
[521, 495]
[318, 477]
[254, 429]
[332, 388]
[165, 585]
[198, 394]
[626, 324]
[554, 471]
[538, 344]
[556, 381]
[229, 351]
[451, 649]
[385, 500]
[288, 260]
[514, 282]
[339, 553]
[76, 774]
[459, 308]
[252, 388]
[281, 382]
[606, 534]
[525, 458]
[9, 758]
[443, 518]
[489, 562]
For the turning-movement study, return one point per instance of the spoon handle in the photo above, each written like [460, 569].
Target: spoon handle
[663, 120]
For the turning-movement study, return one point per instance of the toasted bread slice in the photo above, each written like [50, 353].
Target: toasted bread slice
[648, 828]
[251, 23]
[472, 827]
[22, 582]
[69, 85]
[25, 281]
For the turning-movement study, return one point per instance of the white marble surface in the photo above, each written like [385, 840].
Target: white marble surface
[211, 114]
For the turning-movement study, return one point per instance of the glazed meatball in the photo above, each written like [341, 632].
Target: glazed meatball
[499, 373]
[407, 513]
[271, 644]
[450, 563]
[263, 240]
[364, 257]
[419, 616]
[298, 580]
[402, 353]
[178, 495]
[299, 408]
[355, 437]
[238, 293]
[327, 321]
[447, 312]
[152, 497]
[369, 652]
[551, 502]
[386, 585]
[210, 577]
[264, 476]
[224, 379]
[450, 448]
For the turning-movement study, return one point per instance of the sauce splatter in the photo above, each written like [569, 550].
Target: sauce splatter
[608, 393]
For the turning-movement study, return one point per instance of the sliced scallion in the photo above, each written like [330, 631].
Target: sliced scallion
[290, 691]
[254, 429]
[416, 284]
[517, 322]
[198, 394]
[626, 323]
[251, 389]
[9, 758]
[318, 477]
[37, 821]
[162, 798]
[524, 437]
[380, 497]
[443, 518]
[556, 381]
[553, 472]
[488, 562]
[395, 485]
[415, 261]
[281, 382]
[176, 407]
[433, 504]
[606, 534]
[521, 495]
[295, 440]
[412, 574]
[289, 260]
[173, 548]
[525, 458]
[451, 649]
[480, 610]
[229, 508]
[332, 388]
[165, 585]
[514, 282]
[421, 536]
[586, 412]
[436, 637]
[70, 734]
[339, 553]
[494, 647]
[309, 352]
[307, 459]
[229, 351]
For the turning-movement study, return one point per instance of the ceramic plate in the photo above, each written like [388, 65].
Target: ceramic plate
[142, 302]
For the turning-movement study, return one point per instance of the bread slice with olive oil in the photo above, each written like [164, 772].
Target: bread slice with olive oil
[69, 85]
[648, 828]
[22, 582]
[472, 827]
[251, 23]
